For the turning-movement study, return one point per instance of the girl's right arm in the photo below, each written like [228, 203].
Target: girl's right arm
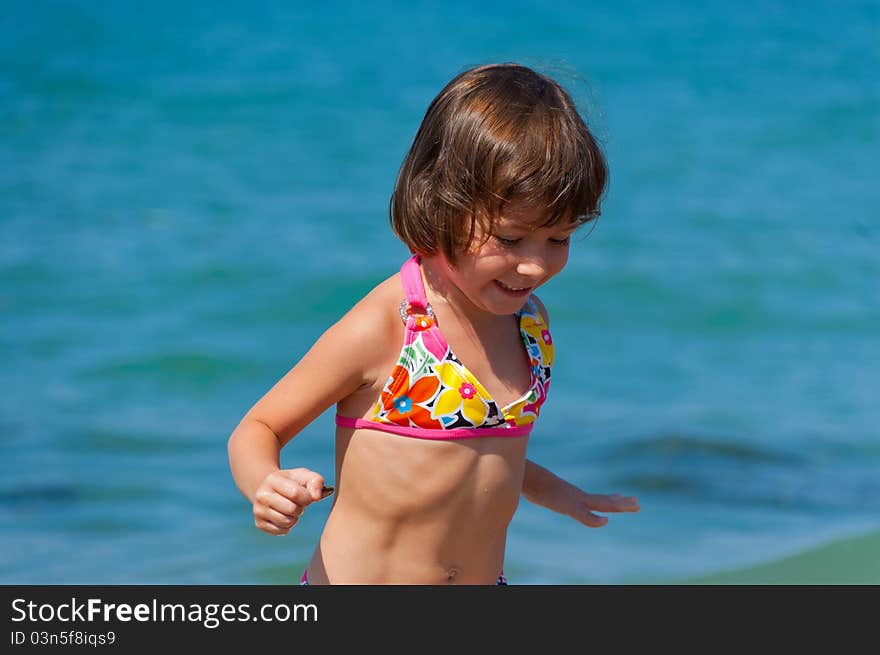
[341, 361]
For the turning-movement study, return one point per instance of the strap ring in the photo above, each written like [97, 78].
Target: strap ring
[406, 310]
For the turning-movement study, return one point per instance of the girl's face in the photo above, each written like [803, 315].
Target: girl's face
[499, 275]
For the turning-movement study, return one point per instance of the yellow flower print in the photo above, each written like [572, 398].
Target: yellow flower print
[461, 391]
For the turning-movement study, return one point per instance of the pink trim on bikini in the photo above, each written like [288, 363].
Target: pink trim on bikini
[425, 433]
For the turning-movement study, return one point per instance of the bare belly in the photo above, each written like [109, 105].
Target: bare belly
[416, 511]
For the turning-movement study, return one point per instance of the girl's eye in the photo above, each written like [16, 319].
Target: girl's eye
[561, 242]
[507, 243]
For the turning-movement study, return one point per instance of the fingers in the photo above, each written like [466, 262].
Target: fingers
[312, 483]
[612, 503]
[282, 497]
[275, 522]
[593, 520]
[290, 490]
[604, 503]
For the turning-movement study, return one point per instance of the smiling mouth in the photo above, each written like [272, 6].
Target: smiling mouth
[515, 291]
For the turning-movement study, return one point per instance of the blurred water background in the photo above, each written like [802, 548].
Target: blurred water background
[191, 193]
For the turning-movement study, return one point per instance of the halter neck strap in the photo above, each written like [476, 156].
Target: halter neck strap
[411, 276]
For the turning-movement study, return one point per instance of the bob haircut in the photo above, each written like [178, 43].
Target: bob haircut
[495, 133]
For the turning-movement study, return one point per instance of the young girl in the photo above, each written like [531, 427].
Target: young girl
[439, 373]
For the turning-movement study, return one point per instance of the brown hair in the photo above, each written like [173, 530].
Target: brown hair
[493, 134]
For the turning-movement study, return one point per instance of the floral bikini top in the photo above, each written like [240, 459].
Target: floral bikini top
[432, 395]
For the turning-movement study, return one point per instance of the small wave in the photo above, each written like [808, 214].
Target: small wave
[683, 447]
[723, 472]
[109, 442]
[39, 494]
[191, 370]
[662, 484]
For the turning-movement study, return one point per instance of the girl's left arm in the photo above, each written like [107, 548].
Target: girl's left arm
[543, 487]
[546, 489]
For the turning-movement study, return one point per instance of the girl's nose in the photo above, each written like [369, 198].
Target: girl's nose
[532, 267]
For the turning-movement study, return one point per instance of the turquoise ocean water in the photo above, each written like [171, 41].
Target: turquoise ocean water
[190, 195]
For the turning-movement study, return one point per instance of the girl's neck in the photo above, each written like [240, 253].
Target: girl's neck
[441, 290]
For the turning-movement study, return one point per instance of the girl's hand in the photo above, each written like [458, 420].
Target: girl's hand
[586, 504]
[283, 496]
[545, 488]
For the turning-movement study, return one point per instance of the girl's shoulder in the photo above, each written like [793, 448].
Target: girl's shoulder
[379, 305]
[375, 317]
[368, 336]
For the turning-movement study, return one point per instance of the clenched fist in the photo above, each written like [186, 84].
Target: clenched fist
[283, 496]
